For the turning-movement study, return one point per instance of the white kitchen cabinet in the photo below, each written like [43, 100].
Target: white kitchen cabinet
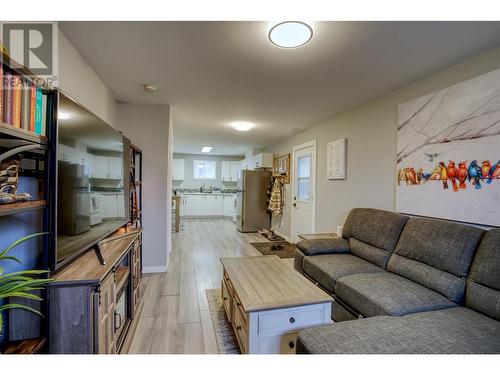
[228, 205]
[178, 169]
[230, 170]
[235, 170]
[226, 170]
[101, 167]
[108, 206]
[262, 160]
[115, 168]
[120, 204]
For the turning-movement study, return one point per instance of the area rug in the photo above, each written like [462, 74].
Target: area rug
[224, 334]
[287, 250]
[275, 238]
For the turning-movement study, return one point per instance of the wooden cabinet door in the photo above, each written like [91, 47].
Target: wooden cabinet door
[106, 328]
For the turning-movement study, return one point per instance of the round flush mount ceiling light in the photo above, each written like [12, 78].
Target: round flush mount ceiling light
[290, 34]
[242, 126]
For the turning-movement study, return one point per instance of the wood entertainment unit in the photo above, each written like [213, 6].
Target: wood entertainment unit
[93, 307]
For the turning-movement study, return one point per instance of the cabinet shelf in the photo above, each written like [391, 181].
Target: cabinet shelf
[19, 133]
[14, 208]
[121, 276]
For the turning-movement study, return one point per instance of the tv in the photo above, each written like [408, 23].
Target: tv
[92, 172]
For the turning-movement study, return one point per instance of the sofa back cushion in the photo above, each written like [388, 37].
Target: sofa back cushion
[437, 254]
[373, 234]
[483, 285]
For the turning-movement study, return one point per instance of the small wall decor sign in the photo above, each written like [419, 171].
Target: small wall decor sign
[336, 159]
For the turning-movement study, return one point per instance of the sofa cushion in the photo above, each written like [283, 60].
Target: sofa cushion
[450, 331]
[440, 255]
[375, 227]
[328, 268]
[298, 260]
[483, 285]
[373, 234]
[385, 293]
[318, 246]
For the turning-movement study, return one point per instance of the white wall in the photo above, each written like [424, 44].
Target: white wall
[370, 130]
[148, 128]
[77, 79]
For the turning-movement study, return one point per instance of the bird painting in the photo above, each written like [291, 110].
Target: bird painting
[452, 172]
[435, 174]
[485, 168]
[494, 172]
[475, 174]
[462, 174]
[444, 174]
[430, 156]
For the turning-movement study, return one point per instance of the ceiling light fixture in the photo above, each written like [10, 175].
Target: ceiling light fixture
[206, 148]
[62, 115]
[242, 126]
[290, 34]
[150, 88]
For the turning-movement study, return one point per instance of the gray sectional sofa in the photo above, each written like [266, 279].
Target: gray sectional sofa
[422, 285]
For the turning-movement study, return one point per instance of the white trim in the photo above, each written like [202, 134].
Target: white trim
[154, 269]
[312, 144]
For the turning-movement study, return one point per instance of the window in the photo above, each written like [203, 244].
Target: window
[304, 178]
[204, 169]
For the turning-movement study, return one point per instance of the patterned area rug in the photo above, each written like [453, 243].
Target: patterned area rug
[224, 334]
[275, 238]
[287, 250]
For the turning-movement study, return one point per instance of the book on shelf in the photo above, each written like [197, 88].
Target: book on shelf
[7, 101]
[38, 111]
[1, 93]
[22, 103]
[25, 105]
[16, 101]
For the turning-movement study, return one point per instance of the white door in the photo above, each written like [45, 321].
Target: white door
[304, 189]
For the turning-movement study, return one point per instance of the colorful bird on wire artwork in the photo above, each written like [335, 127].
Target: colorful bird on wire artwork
[458, 176]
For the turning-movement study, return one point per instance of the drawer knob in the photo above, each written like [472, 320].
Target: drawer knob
[291, 344]
[239, 304]
[292, 320]
[238, 328]
[225, 298]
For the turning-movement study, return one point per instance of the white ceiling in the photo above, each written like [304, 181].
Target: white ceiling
[213, 73]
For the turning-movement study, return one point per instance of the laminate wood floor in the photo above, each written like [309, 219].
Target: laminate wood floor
[176, 318]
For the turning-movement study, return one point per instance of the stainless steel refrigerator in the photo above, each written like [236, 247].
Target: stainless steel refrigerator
[251, 201]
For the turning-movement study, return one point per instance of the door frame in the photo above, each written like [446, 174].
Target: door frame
[296, 148]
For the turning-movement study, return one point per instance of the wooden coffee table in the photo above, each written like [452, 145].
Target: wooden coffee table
[267, 302]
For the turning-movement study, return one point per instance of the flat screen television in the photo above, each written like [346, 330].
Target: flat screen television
[92, 170]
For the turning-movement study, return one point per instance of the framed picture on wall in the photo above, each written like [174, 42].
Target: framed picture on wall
[336, 159]
[448, 156]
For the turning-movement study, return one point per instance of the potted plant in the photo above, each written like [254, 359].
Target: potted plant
[19, 284]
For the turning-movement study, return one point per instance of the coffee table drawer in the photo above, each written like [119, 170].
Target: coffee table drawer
[291, 319]
[227, 301]
[240, 329]
[279, 344]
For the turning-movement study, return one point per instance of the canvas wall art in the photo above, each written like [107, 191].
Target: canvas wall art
[448, 154]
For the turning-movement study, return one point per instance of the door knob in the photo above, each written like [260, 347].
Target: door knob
[295, 205]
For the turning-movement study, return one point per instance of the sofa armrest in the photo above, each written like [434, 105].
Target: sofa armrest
[319, 246]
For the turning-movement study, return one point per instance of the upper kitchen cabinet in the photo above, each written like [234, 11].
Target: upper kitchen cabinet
[107, 167]
[178, 169]
[230, 170]
[262, 160]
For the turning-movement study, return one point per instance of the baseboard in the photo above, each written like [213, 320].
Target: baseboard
[154, 269]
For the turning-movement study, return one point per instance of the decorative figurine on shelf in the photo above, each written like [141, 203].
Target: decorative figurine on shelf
[9, 180]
